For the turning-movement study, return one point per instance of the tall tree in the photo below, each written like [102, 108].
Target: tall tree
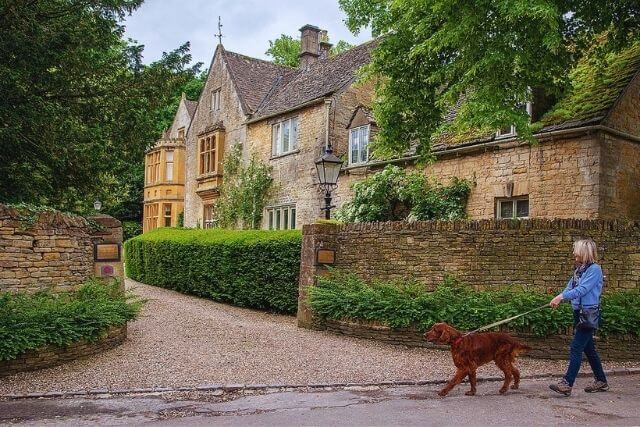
[482, 56]
[77, 106]
[285, 50]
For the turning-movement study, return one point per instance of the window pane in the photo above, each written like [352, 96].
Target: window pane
[522, 208]
[506, 209]
[169, 171]
[276, 139]
[353, 144]
[286, 128]
[285, 218]
[270, 219]
[294, 133]
[293, 218]
[364, 141]
[277, 219]
[169, 156]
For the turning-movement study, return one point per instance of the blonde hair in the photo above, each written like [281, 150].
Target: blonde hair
[586, 250]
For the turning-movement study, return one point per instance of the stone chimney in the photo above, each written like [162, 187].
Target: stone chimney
[309, 45]
[325, 46]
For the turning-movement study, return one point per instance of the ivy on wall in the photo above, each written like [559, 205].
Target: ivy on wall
[394, 194]
[244, 191]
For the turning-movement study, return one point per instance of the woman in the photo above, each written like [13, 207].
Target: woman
[584, 288]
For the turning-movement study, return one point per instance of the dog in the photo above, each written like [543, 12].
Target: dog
[474, 350]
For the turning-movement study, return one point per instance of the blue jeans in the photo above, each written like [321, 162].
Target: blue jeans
[583, 342]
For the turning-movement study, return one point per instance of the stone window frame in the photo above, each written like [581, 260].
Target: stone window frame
[208, 216]
[276, 140]
[207, 157]
[358, 131]
[281, 217]
[215, 99]
[164, 214]
[514, 209]
[151, 216]
[181, 132]
[153, 167]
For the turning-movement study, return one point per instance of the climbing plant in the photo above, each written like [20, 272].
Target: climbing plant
[244, 192]
[394, 194]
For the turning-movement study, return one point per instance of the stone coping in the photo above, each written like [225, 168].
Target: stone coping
[235, 388]
[52, 355]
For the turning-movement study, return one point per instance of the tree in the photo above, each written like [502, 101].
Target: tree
[285, 50]
[483, 57]
[77, 106]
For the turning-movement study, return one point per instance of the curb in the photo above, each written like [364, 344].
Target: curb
[230, 388]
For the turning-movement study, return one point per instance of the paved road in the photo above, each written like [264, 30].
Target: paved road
[533, 404]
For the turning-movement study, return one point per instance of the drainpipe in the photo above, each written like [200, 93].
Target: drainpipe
[327, 103]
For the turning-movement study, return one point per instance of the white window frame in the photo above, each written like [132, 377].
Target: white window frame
[512, 129]
[280, 147]
[282, 217]
[357, 131]
[215, 99]
[514, 201]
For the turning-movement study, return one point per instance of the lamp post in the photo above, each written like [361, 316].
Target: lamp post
[328, 166]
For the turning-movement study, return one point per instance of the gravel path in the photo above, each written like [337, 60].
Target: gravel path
[180, 340]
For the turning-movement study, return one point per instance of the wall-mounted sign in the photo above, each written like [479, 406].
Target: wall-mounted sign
[326, 256]
[107, 271]
[106, 252]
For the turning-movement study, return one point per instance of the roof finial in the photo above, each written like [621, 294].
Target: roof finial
[219, 35]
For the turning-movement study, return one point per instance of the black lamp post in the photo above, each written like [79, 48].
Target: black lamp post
[328, 167]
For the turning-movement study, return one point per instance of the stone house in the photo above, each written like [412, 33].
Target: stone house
[584, 164]
[165, 172]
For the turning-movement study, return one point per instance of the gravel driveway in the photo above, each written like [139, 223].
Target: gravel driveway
[180, 340]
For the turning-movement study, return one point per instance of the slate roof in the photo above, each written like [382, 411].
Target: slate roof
[191, 107]
[253, 78]
[323, 78]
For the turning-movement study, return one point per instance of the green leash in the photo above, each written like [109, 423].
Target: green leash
[501, 322]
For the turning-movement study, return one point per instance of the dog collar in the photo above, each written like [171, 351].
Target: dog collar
[457, 341]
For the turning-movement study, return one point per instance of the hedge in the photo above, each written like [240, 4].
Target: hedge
[30, 321]
[248, 268]
[344, 296]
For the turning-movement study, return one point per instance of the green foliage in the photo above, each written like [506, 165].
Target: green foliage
[400, 305]
[251, 268]
[30, 321]
[482, 56]
[285, 50]
[131, 229]
[395, 194]
[244, 191]
[77, 106]
[180, 220]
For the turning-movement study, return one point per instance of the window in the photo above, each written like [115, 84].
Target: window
[281, 217]
[517, 207]
[151, 216]
[153, 167]
[169, 166]
[167, 215]
[359, 144]
[508, 131]
[207, 155]
[284, 137]
[208, 220]
[215, 100]
[181, 133]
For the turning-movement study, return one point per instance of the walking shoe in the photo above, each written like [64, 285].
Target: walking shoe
[597, 386]
[562, 387]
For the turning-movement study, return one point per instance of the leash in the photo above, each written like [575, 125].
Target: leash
[500, 322]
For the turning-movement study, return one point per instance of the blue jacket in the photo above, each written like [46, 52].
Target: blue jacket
[589, 288]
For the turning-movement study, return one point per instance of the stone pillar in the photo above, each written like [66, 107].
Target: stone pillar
[314, 237]
[107, 248]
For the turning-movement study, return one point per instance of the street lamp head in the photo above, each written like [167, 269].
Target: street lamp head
[97, 205]
[328, 166]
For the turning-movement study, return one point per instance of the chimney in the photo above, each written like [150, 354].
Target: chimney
[325, 46]
[309, 45]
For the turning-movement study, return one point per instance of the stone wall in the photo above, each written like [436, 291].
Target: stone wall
[51, 355]
[484, 254]
[52, 250]
[553, 347]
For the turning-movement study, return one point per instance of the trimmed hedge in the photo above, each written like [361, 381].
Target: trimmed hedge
[30, 321]
[344, 296]
[248, 268]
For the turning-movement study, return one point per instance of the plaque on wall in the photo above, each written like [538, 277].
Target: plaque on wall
[107, 271]
[106, 252]
[326, 256]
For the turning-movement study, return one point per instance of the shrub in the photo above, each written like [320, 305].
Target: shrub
[29, 321]
[130, 229]
[344, 296]
[248, 268]
[394, 194]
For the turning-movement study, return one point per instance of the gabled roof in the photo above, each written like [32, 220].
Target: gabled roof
[191, 107]
[323, 78]
[253, 78]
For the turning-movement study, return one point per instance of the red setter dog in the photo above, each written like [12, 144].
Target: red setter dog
[474, 350]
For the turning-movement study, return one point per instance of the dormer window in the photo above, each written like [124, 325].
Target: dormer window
[215, 100]
[181, 133]
[359, 144]
[509, 131]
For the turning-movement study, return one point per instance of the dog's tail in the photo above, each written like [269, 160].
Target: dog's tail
[520, 348]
